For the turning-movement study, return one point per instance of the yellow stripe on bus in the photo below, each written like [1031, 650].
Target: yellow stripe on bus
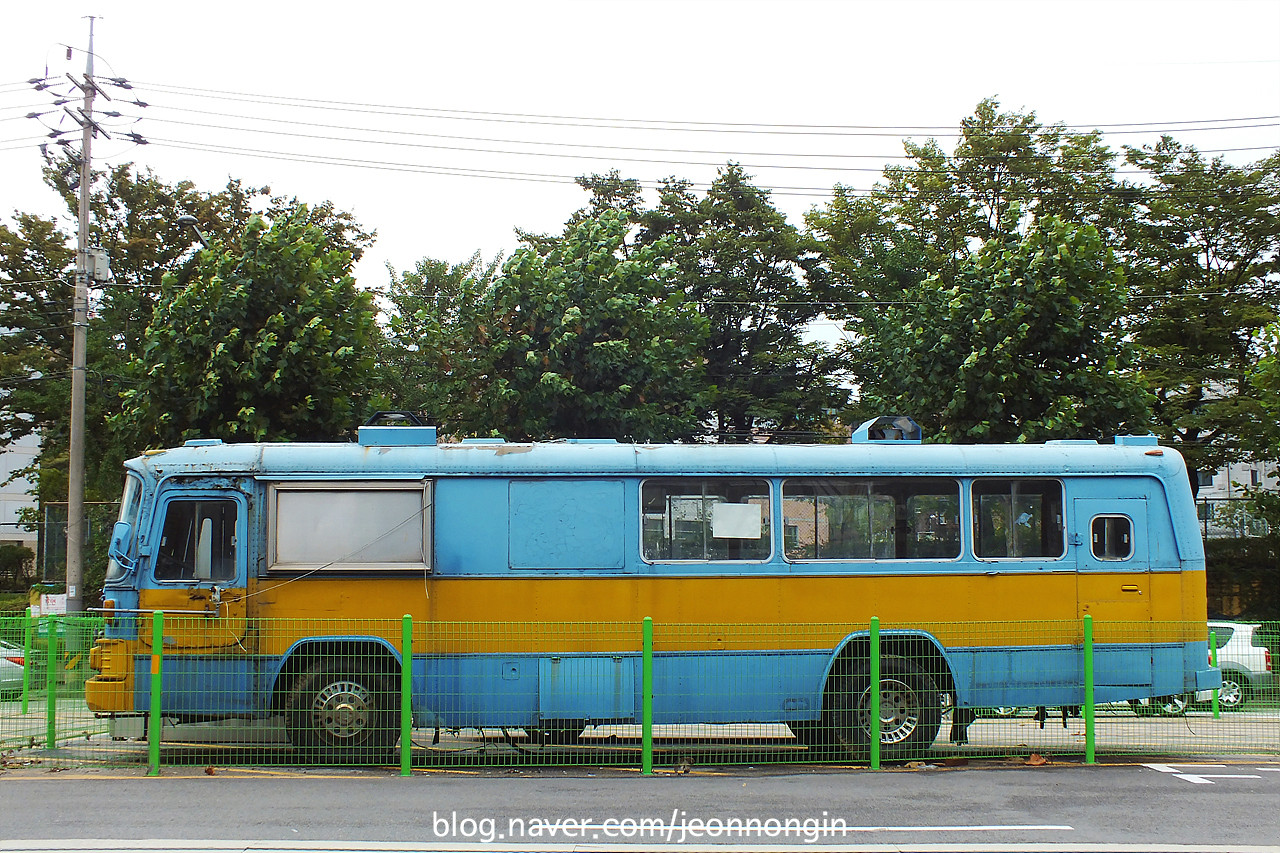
[602, 614]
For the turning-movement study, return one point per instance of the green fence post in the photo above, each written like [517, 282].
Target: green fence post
[153, 721]
[1213, 662]
[646, 699]
[875, 692]
[406, 694]
[51, 686]
[27, 659]
[1089, 733]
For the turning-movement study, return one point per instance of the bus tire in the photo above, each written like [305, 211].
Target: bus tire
[818, 738]
[344, 712]
[910, 712]
[558, 732]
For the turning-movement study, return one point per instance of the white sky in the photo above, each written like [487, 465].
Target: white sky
[878, 65]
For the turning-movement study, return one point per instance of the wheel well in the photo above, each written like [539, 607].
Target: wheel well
[374, 654]
[921, 650]
[1240, 677]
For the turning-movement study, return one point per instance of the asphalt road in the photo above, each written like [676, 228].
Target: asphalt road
[995, 805]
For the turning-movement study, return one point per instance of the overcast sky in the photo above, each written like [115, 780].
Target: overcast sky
[446, 125]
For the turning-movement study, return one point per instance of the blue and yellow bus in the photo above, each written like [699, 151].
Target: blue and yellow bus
[761, 566]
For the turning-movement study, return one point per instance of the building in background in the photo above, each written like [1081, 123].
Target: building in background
[14, 497]
[1220, 500]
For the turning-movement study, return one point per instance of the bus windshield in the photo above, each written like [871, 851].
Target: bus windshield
[130, 508]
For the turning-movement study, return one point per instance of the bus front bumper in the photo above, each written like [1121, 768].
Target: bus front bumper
[111, 690]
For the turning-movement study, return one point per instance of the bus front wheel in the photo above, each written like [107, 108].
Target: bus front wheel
[910, 713]
[343, 711]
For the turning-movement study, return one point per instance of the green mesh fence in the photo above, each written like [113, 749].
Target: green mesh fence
[44, 664]
[181, 689]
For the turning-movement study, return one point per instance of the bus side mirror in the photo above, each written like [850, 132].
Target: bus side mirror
[118, 549]
[204, 551]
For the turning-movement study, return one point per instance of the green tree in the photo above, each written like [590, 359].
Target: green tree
[1204, 259]
[16, 563]
[750, 273]
[928, 216]
[269, 339]
[423, 354]
[35, 319]
[134, 219]
[1265, 382]
[574, 340]
[1024, 345]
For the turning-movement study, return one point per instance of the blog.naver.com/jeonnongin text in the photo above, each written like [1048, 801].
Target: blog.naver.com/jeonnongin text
[678, 828]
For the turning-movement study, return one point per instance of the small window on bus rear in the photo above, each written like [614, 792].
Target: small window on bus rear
[833, 518]
[1111, 537]
[1018, 519]
[709, 520]
[350, 526]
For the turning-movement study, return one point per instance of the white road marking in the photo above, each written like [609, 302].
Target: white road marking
[1200, 778]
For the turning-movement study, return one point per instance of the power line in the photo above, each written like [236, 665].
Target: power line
[544, 177]
[661, 124]
[507, 141]
[506, 152]
[731, 156]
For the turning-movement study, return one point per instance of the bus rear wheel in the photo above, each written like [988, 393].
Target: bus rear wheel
[910, 713]
[342, 711]
[558, 732]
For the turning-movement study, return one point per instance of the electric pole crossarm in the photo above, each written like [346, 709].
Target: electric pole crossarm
[88, 84]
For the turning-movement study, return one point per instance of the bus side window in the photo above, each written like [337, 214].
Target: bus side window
[832, 518]
[190, 528]
[1018, 519]
[1111, 537]
[693, 519]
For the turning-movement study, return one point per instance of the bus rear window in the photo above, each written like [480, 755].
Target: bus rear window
[1018, 519]
[706, 519]
[833, 518]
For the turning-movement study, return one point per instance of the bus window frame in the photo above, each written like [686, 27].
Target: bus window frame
[1133, 534]
[130, 512]
[240, 545]
[425, 487]
[975, 516]
[957, 482]
[767, 518]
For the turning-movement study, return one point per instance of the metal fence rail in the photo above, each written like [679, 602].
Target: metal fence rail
[318, 692]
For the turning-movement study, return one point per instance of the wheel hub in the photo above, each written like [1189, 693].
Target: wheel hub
[899, 711]
[343, 709]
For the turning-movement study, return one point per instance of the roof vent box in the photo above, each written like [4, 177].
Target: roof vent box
[396, 436]
[896, 428]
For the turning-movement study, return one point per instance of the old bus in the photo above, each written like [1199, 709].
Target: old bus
[528, 568]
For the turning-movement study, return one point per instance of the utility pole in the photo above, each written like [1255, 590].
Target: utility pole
[79, 350]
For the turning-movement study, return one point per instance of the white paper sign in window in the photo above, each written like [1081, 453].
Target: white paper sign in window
[736, 521]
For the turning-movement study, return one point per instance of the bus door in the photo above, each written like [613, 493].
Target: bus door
[198, 571]
[1110, 537]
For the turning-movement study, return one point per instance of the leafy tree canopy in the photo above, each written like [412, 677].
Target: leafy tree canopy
[1204, 258]
[1024, 345]
[423, 353]
[752, 275]
[576, 338]
[930, 214]
[134, 218]
[268, 339]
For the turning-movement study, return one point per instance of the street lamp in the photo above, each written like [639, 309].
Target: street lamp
[189, 221]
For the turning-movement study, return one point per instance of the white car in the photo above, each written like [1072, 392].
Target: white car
[11, 666]
[1245, 661]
